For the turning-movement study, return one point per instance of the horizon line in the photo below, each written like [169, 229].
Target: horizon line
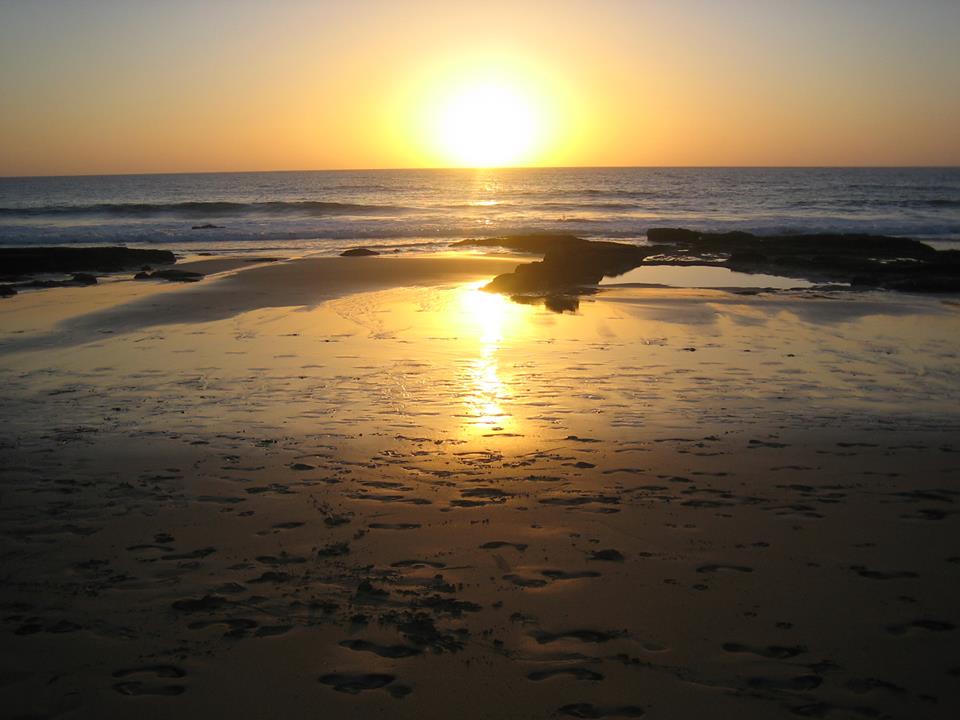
[489, 169]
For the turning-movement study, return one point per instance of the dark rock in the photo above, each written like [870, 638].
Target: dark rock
[746, 257]
[358, 252]
[569, 265]
[869, 261]
[207, 226]
[7, 291]
[561, 303]
[826, 244]
[572, 266]
[557, 302]
[78, 280]
[142, 276]
[27, 261]
[177, 275]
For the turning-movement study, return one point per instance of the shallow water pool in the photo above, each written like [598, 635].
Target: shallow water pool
[702, 277]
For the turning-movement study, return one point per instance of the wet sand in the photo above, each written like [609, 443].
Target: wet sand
[360, 487]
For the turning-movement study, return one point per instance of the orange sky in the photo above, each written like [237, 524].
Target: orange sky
[113, 87]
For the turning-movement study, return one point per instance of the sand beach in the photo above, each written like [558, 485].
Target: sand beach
[364, 487]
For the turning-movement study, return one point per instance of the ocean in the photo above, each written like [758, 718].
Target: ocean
[410, 210]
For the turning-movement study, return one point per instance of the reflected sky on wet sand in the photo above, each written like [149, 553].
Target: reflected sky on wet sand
[459, 360]
[405, 485]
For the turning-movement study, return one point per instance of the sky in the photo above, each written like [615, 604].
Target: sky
[126, 86]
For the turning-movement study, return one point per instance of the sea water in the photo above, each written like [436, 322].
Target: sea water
[411, 210]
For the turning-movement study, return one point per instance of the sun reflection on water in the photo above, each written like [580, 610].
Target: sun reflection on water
[489, 315]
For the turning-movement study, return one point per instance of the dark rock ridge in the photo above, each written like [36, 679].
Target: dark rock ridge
[856, 244]
[572, 266]
[172, 275]
[871, 261]
[358, 252]
[17, 262]
[78, 280]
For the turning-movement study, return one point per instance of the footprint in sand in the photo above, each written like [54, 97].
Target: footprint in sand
[799, 683]
[587, 710]
[862, 686]
[569, 574]
[486, 493]
[271, 576]
[281, 559]
[774, 652]
[579, 500]
[338, 549]
[35, 625]
[712, 568]
[389, 498]
[272, 630]
[236, 627]
[880, 575]
[922, 624]
[387, 651]
[580, 673]
[138, 688]
[164, 671]
[145, 682]
[497, 544]
[418, 564]
[607, 555]
[191, 555]
[354, 683]
[278, 488]
[591, 636]
[207, 603]
[525, 582]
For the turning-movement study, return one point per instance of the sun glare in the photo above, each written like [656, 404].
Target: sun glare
[488, 314]
[487, 125]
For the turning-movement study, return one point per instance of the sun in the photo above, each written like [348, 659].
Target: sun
[487, 125]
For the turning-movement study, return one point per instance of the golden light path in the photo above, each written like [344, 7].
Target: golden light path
[489, 315]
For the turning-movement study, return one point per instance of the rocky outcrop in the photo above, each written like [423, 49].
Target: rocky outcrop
[573, 266]
[78, 280]
[358, 252]
[877, 261]
[18, 262]
[831, 244]
[570, 264]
